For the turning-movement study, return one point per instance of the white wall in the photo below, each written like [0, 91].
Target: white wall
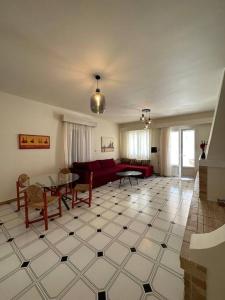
[215, 183]
[20, 115]
[216, 150]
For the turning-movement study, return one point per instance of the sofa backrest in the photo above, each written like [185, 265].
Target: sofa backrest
[94, 165]
[89, 166]
[140, 162]
[107, 163]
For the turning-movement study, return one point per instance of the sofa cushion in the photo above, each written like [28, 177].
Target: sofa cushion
[133, 161]
[138, 162]
[125, 160]
[107, 163]
[145, 162]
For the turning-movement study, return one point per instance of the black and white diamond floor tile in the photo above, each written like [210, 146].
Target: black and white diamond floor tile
[100, 252]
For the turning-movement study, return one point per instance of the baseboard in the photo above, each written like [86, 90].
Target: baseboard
[8, 201]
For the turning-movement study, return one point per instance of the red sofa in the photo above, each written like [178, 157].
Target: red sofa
[105, 170]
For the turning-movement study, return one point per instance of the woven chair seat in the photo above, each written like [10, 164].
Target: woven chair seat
[81, 188]
[50, 199]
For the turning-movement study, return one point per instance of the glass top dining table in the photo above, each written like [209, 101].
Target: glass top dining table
[53, 180]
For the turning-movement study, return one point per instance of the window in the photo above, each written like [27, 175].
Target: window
[77, 143]
[138, 144]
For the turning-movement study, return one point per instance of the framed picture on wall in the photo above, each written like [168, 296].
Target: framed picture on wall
[107, 144]
[28, 141]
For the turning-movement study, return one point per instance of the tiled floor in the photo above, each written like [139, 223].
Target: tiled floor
[125, 247]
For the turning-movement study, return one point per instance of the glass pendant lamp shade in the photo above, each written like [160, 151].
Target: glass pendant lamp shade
[97, 102]
[142, 118]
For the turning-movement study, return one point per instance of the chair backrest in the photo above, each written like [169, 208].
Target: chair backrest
[65, 171]
[22, 179]
[34, 194]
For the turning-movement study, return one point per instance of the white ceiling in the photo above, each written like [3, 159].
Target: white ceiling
[165, 55]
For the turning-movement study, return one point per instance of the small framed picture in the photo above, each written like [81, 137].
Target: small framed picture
[107, 144]
[28, 141]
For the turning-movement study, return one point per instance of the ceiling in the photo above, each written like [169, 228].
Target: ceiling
[165, 55]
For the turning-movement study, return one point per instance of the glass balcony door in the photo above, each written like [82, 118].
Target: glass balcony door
[187, 153]
[182, 152]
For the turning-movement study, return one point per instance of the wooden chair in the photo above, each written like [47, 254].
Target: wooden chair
[36, 198]
[20, 189]
[82, 188]
[68, 187]
[65, 171]
[54, 190]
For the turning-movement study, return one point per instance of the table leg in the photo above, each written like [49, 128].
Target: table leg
[130, 180]
[64, 198]
[120, 182]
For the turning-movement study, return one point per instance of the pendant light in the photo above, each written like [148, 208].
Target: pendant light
[97, 99]
[145, 117]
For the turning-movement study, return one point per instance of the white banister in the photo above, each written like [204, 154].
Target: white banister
[208, 250]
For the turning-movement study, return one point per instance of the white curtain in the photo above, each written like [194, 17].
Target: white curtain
[136, 144]
[169, 152]
[77, 143]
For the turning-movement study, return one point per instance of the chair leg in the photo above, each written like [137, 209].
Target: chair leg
[17, 197]
[60, 206]
[70, 188]
[74, 198]
[90, 198]
[18, 204]
[46, 217]
[73, 193]
[26, 216]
